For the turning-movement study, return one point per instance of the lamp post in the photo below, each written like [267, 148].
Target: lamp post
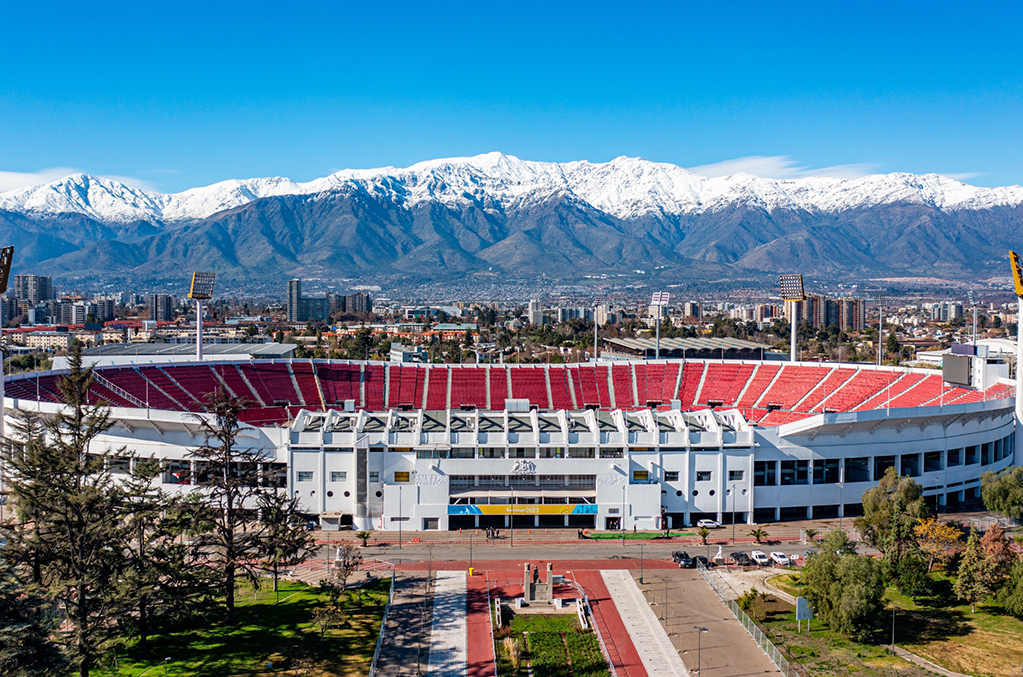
[200, 290]
[1017, 277]
[621, 520]
[165, 665]
[733, 514]
[699, 637]
[792, 291]
[973, 302]
[894, 607]
[399, 517]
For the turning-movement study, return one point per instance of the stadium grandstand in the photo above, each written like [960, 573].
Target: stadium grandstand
[618, 444]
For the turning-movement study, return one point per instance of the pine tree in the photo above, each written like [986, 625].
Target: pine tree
[67, 487]
[27, 624]
[231, 480]
[285, 542]
[972, 584]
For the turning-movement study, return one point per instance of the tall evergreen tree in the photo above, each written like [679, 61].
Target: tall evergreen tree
[285, 542]
[66, 486]
[231, 480]
[972, 584]
[27, 624]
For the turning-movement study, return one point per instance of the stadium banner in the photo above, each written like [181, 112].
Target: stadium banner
[517, 509]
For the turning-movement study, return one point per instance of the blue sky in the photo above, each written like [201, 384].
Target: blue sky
[176, 95]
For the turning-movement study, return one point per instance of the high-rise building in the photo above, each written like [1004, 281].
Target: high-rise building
[295, 300]
[693, 309]
[359, 302]
[161, 307]
[33, 288]
[535, 313]
[852, 314]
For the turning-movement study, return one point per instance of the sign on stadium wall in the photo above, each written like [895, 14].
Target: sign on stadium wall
[563, 509]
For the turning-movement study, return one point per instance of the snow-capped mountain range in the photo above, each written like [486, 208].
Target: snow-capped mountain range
[625, 188]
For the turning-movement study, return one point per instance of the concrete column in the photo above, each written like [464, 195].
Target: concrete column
[1019, 382]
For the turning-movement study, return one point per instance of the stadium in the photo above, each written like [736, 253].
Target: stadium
[641, 444]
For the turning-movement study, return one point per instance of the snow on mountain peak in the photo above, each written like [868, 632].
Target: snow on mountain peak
[625, 187]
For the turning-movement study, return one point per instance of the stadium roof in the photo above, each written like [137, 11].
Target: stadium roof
[265, 350]
[689, 347]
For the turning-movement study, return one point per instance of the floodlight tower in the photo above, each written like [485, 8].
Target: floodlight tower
[792, 290]
[973, 302]
[880, 299]
[6, 256]
[659, 299]
[201, 290]
[1017, 278]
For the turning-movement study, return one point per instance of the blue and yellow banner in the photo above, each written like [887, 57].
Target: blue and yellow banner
[518, 509]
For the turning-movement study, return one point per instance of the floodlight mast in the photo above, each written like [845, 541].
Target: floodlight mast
[659, 299]
[6, 256]
[973, 302]
[1017, 278]
[880, 299]
[792, 290]
[201, 289]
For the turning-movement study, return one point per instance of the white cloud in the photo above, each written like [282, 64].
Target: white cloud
[15, 180]
[779, 167]
[963, 176]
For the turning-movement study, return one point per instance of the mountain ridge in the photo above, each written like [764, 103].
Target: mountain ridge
[450, 219]
[624, 187]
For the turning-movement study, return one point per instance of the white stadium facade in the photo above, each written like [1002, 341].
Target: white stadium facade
[643, 443]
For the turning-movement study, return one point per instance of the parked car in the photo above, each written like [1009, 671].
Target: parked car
[311, 525]
[700, 559]
[708, 524]
[807, 554]
[759, 558]
[740, 558]
[678, 555]
[686, 562]
[794, 556]
[780, 559]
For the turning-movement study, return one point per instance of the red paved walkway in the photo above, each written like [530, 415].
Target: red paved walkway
[515, 565]
[480, 651]
[622, 652]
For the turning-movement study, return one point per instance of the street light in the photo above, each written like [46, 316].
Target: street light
[165, 665]
[201, 290]
[699, 637]
[659, 299]
[733, 514]
[792, 291]
[973, 302]
[1017, 278]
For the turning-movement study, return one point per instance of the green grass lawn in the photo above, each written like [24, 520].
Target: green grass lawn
[552, 645]
[629, 536]
[937, 627]
[265, 632]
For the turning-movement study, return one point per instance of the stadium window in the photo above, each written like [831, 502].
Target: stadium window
[932, 461]
[972, 455]
[463, 452]
[955, 457]
[857, 469]
[825, 471]
[985, 454]
[671, 475]
[305, 476]
[491, 452]
[703, 475]
[795, 472]
[552, 452]
[336, 476]
[640, 475]
[582, 452]
[764, 474]
[736, 475]
[401, 476]
[881, 464]
[522, 452]
[374, 476]
[610, 453]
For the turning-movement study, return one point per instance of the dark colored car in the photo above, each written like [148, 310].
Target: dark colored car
[677, 556]
[740, 558]
[700, 559]
[686, 562]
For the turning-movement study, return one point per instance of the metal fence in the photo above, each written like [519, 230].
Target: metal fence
[383, 627]
[727, 594]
